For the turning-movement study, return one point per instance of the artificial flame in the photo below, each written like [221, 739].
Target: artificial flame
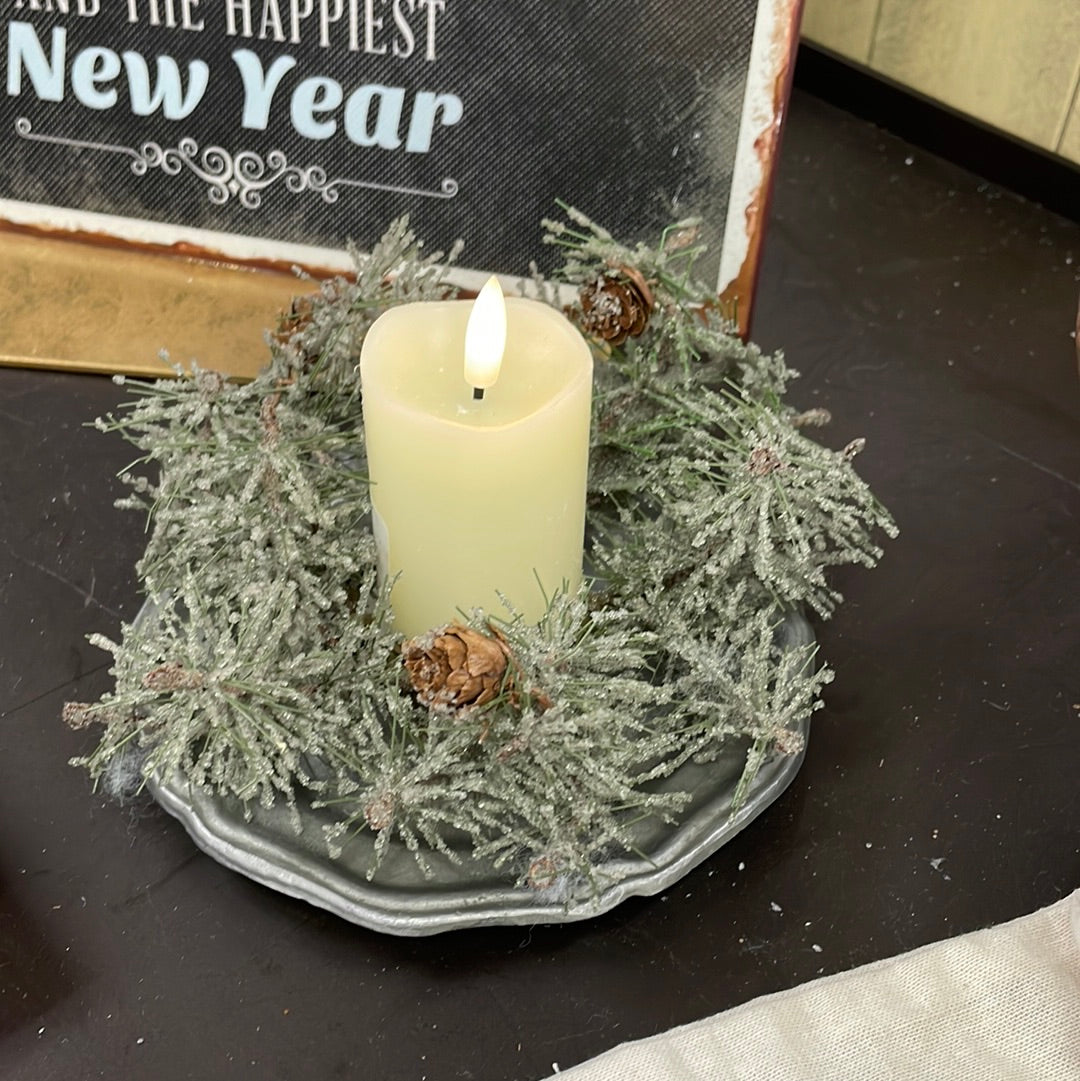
[485, 336]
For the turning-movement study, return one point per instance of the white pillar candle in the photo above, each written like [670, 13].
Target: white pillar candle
[476, 496]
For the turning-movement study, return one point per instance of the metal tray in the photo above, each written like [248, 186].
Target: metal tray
[401, 901]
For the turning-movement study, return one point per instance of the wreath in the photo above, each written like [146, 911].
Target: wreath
[265, 668]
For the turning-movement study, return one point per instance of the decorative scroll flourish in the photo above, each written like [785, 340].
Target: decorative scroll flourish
[243, 175]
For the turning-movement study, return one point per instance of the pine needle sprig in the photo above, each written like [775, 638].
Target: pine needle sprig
[316, 349]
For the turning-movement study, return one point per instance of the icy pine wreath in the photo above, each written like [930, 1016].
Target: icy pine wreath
[272, 673]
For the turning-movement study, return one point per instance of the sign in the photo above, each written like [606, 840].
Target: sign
[285, 128]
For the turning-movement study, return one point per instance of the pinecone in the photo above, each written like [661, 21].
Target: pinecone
[173, 677]
[789, 742]
[456, 667]
[295, 319]
[543, 873]
[379, 812]
[617, 305]
[78, 714]
[763, 461]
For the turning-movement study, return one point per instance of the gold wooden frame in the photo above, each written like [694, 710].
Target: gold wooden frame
[79, 304]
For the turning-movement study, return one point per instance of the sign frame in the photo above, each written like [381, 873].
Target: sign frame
[229, 272]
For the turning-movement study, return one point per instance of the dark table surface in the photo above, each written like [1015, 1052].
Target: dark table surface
[931, 314]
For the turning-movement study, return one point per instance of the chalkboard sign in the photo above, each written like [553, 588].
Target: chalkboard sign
[255, 127]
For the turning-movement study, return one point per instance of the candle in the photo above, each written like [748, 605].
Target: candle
[478, 457]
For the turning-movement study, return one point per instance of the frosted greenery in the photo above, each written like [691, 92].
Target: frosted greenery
[267, 670]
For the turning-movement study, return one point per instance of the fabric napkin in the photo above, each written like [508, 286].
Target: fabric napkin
[1001, 1004]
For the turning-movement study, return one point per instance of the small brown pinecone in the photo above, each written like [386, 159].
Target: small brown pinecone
[617, 305]
[543, 873]
[209, 383]
[268, 418]
[789, 742]
[297, 317]
[379, 812]
[78, 714]
[763, 461]
[456, 667]
[173, 677]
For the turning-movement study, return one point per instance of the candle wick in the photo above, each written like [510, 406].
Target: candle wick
[477, 393]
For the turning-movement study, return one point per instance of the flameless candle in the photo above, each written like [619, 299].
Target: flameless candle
[478, 458]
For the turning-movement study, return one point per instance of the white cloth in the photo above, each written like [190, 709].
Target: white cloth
[1000, 1005]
